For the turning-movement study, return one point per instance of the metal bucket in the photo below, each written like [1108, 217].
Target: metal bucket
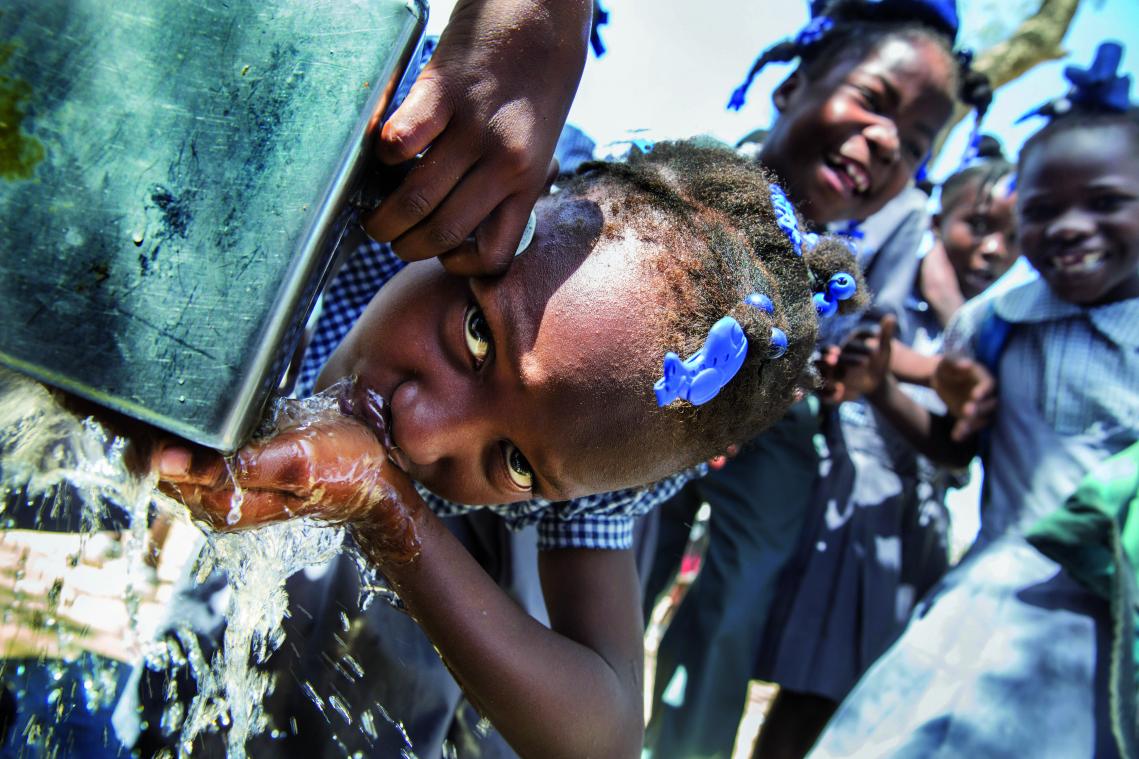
[174, 177]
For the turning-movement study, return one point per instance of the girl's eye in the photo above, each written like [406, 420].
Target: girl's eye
[518, 468]
[870, 98]
[477, 334]
[1108, 203]
[979, 226]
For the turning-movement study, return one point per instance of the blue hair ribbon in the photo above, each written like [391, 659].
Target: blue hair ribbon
[1098, 88]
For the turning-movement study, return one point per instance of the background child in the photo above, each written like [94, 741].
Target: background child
[876, 539]
[629, 261]
[1011, 654]
[874, 85]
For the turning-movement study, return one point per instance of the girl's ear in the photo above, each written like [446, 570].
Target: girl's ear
[786, 91]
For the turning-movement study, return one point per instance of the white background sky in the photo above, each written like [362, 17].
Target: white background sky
[672, 64]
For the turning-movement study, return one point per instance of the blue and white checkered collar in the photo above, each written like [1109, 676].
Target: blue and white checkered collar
[1034, 302]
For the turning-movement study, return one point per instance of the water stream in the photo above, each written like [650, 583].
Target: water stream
[54, 463]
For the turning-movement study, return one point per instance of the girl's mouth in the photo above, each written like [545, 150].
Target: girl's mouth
[848, 176]
[1077, 262]
[979, 280]
[399, 458]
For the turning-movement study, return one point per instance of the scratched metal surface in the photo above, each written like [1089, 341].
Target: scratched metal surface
[169, 175]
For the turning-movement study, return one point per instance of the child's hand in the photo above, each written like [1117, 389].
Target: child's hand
[490, 104]
[969, 392]
[859, 367]
[328, 465]
[865, 357]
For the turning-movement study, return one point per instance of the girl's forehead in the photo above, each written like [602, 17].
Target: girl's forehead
[1106, 148]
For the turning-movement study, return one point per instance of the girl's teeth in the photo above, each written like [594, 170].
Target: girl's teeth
[1077, 262]
[856, 176]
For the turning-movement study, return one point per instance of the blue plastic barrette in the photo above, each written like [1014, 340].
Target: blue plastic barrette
[841, 286]
[1096, 88]
[699, 378]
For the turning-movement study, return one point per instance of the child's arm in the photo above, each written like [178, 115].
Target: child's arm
[866, 363]
[930, 434]
[910, 366]
[573, 690]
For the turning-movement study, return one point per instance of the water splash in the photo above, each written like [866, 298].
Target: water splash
[56, 461]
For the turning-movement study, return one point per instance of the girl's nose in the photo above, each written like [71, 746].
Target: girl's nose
[884, 142]
[434, 421]
[992, 246]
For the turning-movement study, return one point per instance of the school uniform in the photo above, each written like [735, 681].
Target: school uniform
[876, 540]
[1008, 655]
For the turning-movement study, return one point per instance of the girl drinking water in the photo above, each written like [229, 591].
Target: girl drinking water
[666, 307]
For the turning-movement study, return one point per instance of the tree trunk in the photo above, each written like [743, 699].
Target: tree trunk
[1037, 40]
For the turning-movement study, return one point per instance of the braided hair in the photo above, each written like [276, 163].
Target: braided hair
[845, 29]
[715, 213]
[987, 168]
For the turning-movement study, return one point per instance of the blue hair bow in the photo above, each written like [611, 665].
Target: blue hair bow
[1096, 88]
[699, 378]
[939, 14]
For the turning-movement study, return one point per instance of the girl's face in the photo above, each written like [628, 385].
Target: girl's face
[1078, 204]
[509, 388]
[979, 233]
[849, 141]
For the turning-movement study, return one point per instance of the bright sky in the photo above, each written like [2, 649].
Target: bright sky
[672, 64]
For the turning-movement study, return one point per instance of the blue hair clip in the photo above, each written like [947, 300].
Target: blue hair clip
[699, 378]
[922, 173]
[1098, 88]
[778, 336]
[839, 287]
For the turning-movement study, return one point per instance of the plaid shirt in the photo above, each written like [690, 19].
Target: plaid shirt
[1078, 366]
[603, 521]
